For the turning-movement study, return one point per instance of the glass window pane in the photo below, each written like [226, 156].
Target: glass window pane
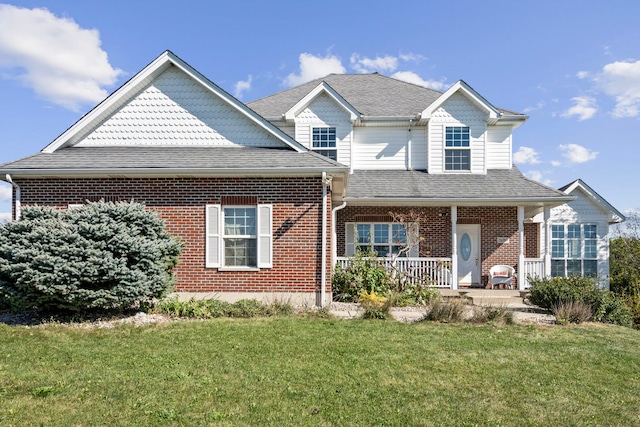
[573, 248]
[557, 268]
[364, 233]
[380, 233]
[457, 160]
[590, 232]
[381, 250]
[590, 267]
[590, 249]
[557, 231]
[240, 221]
[557, 248]
[573, 231]
[574, 267]
[240, 252]
[399, 234]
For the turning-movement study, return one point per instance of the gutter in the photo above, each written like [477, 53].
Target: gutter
[326, 182]
[17, 200]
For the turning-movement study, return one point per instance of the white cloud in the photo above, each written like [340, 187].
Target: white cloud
[576, 153]
[407, 57]
[526, 155]
[5, 217]
[367, 65]
[242, 86]
[313, 67]
[556, 163]
[538, 106]
[5, 193]
[54, 56]
[585, 108]
[411, 77]
[582, 74]
[538, 176]
[621, 80]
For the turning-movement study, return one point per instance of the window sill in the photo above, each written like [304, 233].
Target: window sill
[238, 269]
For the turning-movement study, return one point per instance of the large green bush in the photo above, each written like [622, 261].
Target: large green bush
[97, 256]
[364, 273]
[551, 293]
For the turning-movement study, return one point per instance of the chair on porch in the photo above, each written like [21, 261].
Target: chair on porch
[502, 275]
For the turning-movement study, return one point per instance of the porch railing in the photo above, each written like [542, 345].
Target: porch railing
[533, 267]
[433, 271]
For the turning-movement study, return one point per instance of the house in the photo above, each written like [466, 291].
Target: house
[268, 196]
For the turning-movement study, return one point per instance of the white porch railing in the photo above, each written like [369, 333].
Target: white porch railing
[433, 271]
[533, 267]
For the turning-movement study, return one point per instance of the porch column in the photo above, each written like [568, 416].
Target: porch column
[546, 251]
[521, 273]
[454, 247]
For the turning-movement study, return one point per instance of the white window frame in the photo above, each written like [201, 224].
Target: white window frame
[568, 246]
[324, 150]
[456, 148]
[411, 238]
[215, 236]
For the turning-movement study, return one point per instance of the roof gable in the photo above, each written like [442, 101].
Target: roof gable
[322, 88]
[594, 198]
[170, 103]
[468, 92]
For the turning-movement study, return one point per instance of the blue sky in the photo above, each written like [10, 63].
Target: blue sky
[572, 66]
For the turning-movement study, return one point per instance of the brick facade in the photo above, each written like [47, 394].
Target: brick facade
[297, 214]
[435, 229]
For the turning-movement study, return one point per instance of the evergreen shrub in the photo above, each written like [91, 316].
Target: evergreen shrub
[101, 255]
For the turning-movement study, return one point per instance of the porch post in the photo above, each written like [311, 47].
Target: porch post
[454, 247]
[546, 251]
[521, 273]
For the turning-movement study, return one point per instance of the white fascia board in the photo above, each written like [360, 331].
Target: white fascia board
[469, 92]
[544, 201]
[616, 215]
[323, 87]
[174, 172]
[145, 76]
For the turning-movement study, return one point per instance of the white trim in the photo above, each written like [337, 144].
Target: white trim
[213, 212]
[266, 234]
[465, 89]
[616, 216]
[323, 87]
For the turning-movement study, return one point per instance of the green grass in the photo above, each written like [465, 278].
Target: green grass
[299, 372]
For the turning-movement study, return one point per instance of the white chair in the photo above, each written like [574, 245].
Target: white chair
[502, 275]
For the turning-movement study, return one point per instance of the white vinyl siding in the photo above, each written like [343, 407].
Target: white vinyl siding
[499, 147]
[216, 234]
[380, 148]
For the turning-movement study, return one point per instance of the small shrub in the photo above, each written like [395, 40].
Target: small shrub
[247, 308]
[375, 306]
[446, 311]
[500, 315]
[279, 308]
[571, 312]
[364, 272]
[423, 294]
[550, 292]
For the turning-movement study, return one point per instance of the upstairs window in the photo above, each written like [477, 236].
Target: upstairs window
[457, 155]
[574, 250]
[324, 142]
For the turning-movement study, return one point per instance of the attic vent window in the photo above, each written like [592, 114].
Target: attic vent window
[457, 155]
[324, 142]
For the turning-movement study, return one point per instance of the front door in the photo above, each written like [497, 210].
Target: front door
[468, 254]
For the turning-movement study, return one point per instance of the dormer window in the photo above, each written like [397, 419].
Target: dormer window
[457, 154]
[324, 142]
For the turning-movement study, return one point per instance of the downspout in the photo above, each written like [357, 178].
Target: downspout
[17, 201]
[326, 182]
[409, 167]
[334, 232]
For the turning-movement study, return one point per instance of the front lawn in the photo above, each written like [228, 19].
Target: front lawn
[299, 372]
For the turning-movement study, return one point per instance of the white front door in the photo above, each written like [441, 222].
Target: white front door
[468, 254]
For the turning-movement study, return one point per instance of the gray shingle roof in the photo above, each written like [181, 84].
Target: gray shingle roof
[370, 94]
[399, 184]
[171, 157]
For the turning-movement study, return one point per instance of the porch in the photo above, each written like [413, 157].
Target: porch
[437, 271]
